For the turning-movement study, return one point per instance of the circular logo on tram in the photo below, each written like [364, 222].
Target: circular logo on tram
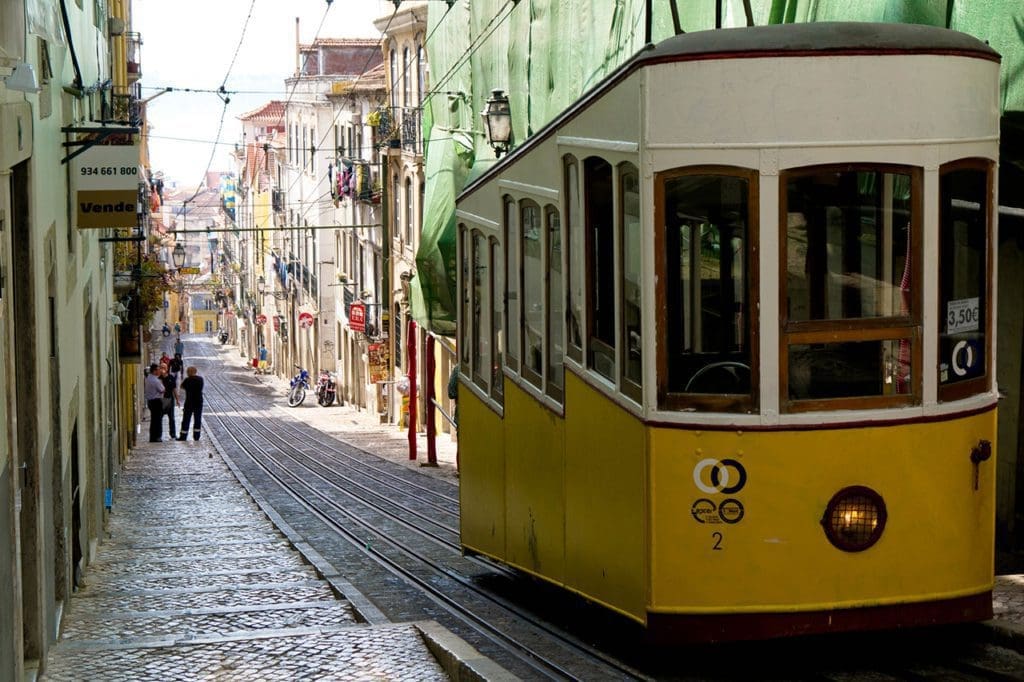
[730, 511]
[725, 476]
[703, 511]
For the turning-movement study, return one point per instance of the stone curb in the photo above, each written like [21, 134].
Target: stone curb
[461, 661]
[1005, 634]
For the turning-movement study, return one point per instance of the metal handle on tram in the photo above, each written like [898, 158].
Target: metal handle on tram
[979, 453]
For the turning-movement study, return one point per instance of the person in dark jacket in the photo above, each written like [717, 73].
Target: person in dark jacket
[171, 397]
[193, 410]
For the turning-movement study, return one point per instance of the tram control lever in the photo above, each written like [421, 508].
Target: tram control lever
[979, 453]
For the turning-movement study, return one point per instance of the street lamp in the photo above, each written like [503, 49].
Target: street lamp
[497, 117]
[178, 256]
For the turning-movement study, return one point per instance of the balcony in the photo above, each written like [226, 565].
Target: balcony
[134, 40]
[412, 120]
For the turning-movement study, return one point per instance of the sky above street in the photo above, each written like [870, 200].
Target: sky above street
[189, 44]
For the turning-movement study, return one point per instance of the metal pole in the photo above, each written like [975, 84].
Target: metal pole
[411, 345]
[430, 415]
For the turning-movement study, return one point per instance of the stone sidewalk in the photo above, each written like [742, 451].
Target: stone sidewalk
[194, 582]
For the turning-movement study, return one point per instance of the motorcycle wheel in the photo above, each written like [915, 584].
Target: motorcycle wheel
[296, 395]
[327, 399]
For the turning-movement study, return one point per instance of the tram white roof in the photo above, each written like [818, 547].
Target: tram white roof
[776, 40]
[816, 38]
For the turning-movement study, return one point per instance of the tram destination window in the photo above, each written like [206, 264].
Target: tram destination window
[705, 282]
[850, 268]
[964, 237]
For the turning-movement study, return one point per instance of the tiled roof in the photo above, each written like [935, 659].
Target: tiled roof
[271, 112]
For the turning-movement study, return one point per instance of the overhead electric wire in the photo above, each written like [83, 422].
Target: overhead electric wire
[227, 100]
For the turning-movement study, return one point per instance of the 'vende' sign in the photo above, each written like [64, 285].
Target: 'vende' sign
[105, 184]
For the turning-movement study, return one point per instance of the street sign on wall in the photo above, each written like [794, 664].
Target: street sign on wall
[357, 317]
[105, 184]
[305, 320]
[261, 319]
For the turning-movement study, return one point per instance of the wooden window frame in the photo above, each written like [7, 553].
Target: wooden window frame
[528, 373]
[629, 388]
[497, 320]
[553, 391]
[970, 387]
[854, 329]
[593, 344]
[480, 255]
[701, 402]
[513, 276]
[465, 300]
[572, 243]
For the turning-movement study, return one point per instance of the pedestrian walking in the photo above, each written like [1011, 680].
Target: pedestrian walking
[179, 348]
[153, 389]
[177, 367]
[166, 331]
[193, 410]
[171, 397]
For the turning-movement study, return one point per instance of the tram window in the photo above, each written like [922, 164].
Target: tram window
[497, 312]
[512, 275]
[850, 287]
[576, 271]
[465, 342]
[963, 277]
[848, 370]
[556, 321]
[481, 313]
[533, 293]
[706, 359]
[601, 278]
[632, 343]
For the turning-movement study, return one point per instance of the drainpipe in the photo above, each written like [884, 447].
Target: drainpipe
[411, 346]
[428, 401]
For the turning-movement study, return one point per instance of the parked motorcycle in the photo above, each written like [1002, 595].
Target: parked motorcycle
[325, 388]
[299, 386]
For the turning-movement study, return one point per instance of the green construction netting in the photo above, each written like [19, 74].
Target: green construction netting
[546, 53]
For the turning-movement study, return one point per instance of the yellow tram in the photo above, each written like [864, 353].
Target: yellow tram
[727, 341]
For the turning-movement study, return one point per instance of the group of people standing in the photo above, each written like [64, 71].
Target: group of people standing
[162, 396]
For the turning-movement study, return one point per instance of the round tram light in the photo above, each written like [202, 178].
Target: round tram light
[854, 518]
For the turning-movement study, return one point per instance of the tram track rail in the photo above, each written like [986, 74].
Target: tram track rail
[364, 512]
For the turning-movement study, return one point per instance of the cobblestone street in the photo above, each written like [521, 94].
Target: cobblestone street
[194, 582]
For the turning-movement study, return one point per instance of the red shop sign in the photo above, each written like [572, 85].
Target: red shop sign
[357, 317]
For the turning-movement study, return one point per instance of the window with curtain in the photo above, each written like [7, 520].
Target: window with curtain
[850, 287]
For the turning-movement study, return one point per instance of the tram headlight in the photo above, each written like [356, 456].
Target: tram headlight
[854, 518]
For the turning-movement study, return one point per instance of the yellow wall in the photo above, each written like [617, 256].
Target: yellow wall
[589, 536]
[481, 476]
[606, 503]
[199, 318]
[937, 543]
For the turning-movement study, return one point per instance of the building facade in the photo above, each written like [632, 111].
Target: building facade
[67, 416]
